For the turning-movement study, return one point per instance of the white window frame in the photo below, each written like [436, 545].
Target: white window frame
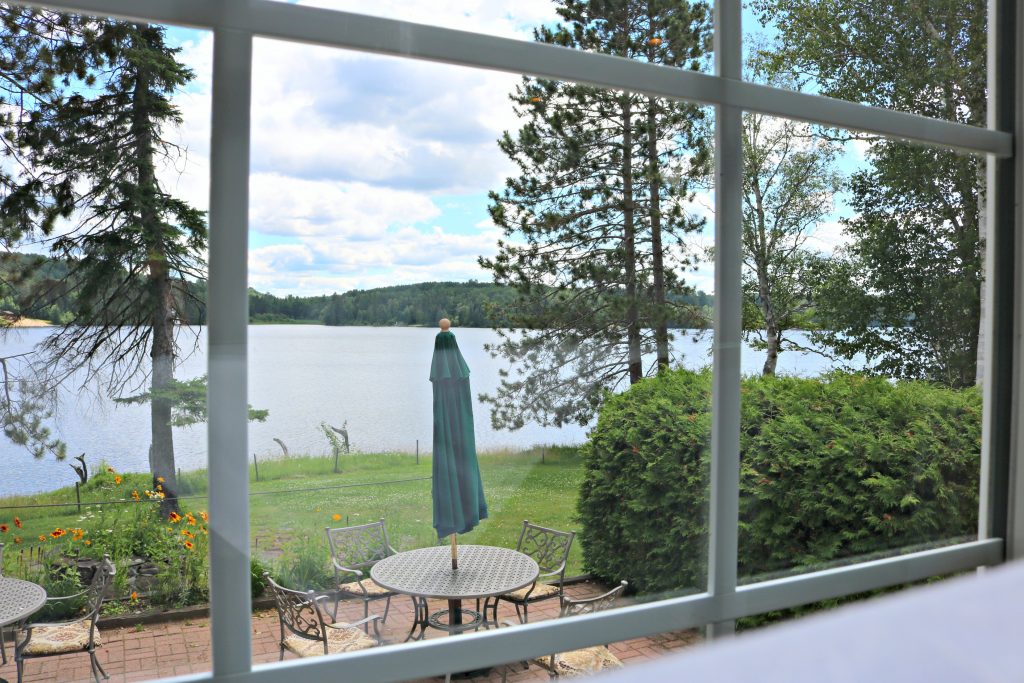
[1001, 529]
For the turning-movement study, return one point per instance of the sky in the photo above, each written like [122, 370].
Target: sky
[369, 171]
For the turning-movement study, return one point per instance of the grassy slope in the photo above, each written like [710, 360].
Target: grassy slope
[517, 487]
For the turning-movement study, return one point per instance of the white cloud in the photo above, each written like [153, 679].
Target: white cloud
[404, 256]
[285, 205]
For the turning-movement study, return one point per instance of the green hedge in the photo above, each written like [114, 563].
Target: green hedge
[832, 468]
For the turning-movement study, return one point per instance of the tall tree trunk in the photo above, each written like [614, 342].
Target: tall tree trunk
[764, 290]
[658, 258]
[161, 457]
[636, 371]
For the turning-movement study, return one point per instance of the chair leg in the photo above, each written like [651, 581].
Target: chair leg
[366, 613]
[97, 670]
[519, 614]
[21, 666]
[526, 612]
[281, 658]
[3, 646]
[387, 606]
[337, 599]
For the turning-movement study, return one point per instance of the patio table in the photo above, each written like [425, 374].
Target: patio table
[18, 600]
[484, 572]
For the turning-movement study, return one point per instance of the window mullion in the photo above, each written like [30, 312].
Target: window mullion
[228, 316]
[725, 398]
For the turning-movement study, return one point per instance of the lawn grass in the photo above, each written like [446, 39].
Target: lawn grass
[286, 515]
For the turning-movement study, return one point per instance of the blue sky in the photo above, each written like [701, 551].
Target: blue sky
[370, 171]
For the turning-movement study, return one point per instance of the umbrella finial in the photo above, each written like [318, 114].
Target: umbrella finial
[445, 323]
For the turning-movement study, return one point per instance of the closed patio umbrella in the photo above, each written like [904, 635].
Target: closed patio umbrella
[458, 492]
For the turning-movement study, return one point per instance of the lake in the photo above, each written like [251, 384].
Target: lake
[373, 378]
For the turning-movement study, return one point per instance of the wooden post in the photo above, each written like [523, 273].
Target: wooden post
[256, 466]
[78, 498]
[417, 451]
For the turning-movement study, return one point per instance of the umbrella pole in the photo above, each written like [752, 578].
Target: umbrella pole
[455, 606]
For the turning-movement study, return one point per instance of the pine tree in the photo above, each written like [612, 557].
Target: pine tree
[131, 245]
[592, 228]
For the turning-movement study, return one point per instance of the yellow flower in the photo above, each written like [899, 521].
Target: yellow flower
[117, 479]
[175, 518]
[135, 596]
[206, 517]
[159, 487]
[160, 480]
[17, 539]
[136, 496]
[88, 542]
[336, 517]
[41, 537]
[190, 518]
[188, 545]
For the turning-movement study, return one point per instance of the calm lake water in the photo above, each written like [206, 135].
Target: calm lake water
[375, 378]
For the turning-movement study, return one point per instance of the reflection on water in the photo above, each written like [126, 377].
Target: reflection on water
[373, 378]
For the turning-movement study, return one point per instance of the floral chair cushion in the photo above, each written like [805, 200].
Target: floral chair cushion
[583, 662]
[52, 640]
[540, 591]
[339, 640]
[372, 589]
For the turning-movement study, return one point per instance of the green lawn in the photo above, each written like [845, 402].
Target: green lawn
[286, 517]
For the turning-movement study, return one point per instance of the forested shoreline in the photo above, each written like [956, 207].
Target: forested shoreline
[34, 287]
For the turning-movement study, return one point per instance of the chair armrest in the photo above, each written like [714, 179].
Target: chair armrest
[372, 619]
[48, 624]
[57, 598]
[338, 567]
[344, 624]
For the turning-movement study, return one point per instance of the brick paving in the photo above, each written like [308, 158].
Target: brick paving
[153, 651]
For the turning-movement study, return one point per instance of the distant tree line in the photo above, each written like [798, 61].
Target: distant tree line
[34, 286]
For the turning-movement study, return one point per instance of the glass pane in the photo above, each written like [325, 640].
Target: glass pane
[862, 408]
[926, 58]
[388, 194]
[103, 341]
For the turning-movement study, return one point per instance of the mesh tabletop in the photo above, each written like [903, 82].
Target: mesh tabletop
[483, 571]
[19, 599]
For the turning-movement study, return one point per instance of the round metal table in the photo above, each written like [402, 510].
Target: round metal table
[484, 572]
[18, 600]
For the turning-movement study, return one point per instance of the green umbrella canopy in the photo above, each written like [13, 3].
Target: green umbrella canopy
[458, 492]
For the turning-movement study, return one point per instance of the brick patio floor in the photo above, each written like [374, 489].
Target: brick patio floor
[153, 651]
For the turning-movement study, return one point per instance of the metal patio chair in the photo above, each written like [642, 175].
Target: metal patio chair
[550, 549]
[354, 549]
[585, 661]
[34, 640]
[305, 632]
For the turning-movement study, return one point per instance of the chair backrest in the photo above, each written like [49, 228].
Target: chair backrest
[549, 548]
[299, 612]
[359, 547]
[572, 607]
[97, 590]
